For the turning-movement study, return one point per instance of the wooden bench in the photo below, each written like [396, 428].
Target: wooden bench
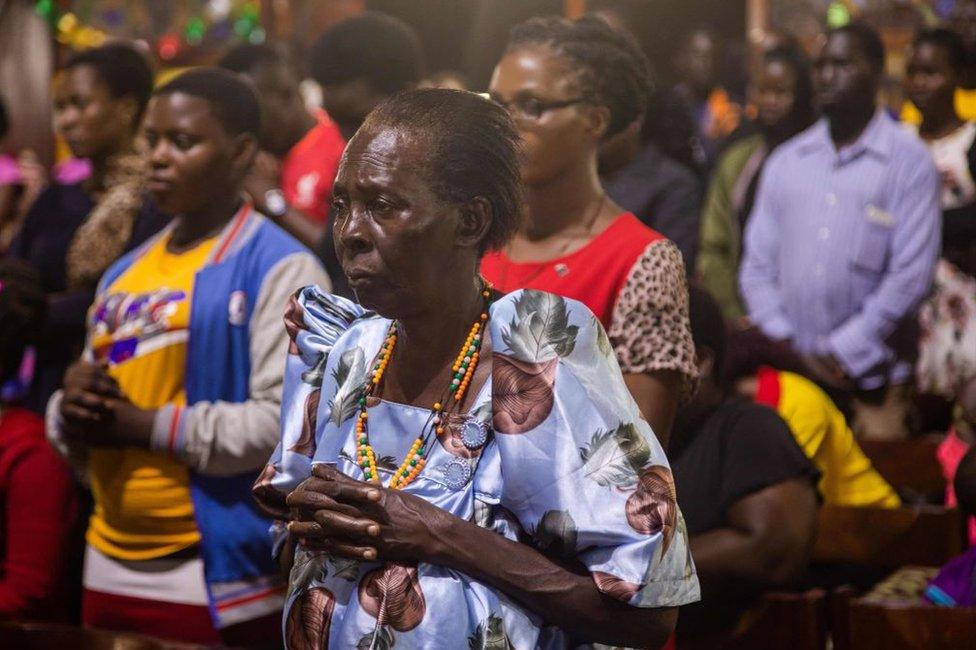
[888, 538]
[910, 466]
[50, 636]
[859, 625]
[796, 621]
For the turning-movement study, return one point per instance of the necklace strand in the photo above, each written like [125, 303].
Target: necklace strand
[560, 252]
[463, 368]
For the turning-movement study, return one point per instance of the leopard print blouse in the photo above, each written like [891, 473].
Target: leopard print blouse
[650, 328]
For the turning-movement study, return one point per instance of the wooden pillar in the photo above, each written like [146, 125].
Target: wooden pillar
[573, 9]
[757, 26]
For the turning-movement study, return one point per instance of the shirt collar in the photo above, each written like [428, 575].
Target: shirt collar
[876, 138]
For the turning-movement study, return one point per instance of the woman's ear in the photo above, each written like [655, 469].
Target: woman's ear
[245, 150]
[128, 108]
[474, 220]
[598, 120]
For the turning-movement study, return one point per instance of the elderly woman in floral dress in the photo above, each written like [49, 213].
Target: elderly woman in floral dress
[457, 468]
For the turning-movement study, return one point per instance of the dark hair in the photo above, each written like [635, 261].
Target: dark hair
[707, 326]
[474, 152]
[4, 124]
[123, 69]
[244, 58]
[379, 48]
[22, 308]
[949, 41]
[965, 483]
[233, 100]
[804, 112]
[613, 70]
[868, 40]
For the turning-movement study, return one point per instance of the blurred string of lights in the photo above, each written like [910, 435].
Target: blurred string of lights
[215, 21]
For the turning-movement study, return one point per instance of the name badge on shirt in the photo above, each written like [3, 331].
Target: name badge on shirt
[878, 216]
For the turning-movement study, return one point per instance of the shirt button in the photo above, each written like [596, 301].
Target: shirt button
[831, 198]
[819, 270]
[824, 233]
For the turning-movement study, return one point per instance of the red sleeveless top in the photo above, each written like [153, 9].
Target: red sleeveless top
[595, 274]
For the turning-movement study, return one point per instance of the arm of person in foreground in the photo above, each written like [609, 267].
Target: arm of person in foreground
[766, 543]
[365, 521]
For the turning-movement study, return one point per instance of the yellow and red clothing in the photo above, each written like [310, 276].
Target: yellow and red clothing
[140, 326]
[309, 169]
[965, 107]
[847, 477]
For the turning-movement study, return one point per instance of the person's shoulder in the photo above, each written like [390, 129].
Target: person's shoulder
[906, 146]
[628, 235]
[741, 149]
[21, 429]
[751, 423]
[514, 318]
[21, 422]
[269, 242]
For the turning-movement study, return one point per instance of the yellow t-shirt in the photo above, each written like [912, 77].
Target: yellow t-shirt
[847, 477]
[141, 327]
[965, 107]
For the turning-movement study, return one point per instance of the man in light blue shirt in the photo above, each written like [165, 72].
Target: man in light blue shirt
[841, 246]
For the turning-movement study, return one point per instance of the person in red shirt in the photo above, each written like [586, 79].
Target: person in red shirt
[38, 504]
[292, 177]
[569, 86]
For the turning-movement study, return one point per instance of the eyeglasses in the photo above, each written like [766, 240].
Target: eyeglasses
[530, 108]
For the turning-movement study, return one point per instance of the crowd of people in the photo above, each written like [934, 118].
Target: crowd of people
[573, 360]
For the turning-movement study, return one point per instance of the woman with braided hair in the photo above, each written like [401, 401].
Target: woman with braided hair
[570, 85]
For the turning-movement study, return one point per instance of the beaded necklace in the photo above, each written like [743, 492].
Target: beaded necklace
[463, 369]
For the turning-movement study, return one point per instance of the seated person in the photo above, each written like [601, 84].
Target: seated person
[37, 496]
[955, 585]
[847, 477]
[946, 365]
[745, 488]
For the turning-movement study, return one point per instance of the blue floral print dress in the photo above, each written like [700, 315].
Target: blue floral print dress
[552, 452]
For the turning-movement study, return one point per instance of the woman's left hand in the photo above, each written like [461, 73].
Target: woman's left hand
[366, 521]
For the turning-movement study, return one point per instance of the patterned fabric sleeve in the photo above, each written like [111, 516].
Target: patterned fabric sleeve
[650, 329]
[581, 470]
[314, 320]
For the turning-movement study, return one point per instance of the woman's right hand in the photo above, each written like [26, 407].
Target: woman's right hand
[87, 396]
[322, 517]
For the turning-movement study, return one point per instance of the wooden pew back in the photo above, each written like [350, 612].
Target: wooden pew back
[882, 538]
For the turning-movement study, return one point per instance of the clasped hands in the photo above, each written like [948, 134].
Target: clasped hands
[97, 413]
[345, 517]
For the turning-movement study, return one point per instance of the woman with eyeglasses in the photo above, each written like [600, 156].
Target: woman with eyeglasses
[569, 85]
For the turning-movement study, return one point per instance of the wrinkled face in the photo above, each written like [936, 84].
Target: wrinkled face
[776, 92]
[963, 22]
[93, 122]
[193, 160]
[554, 139]
[396, 240]
[844, 78]
[283, 114]
[930, 81]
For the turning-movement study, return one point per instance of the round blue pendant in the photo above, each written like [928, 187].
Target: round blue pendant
[474, 433]
[457, 473]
